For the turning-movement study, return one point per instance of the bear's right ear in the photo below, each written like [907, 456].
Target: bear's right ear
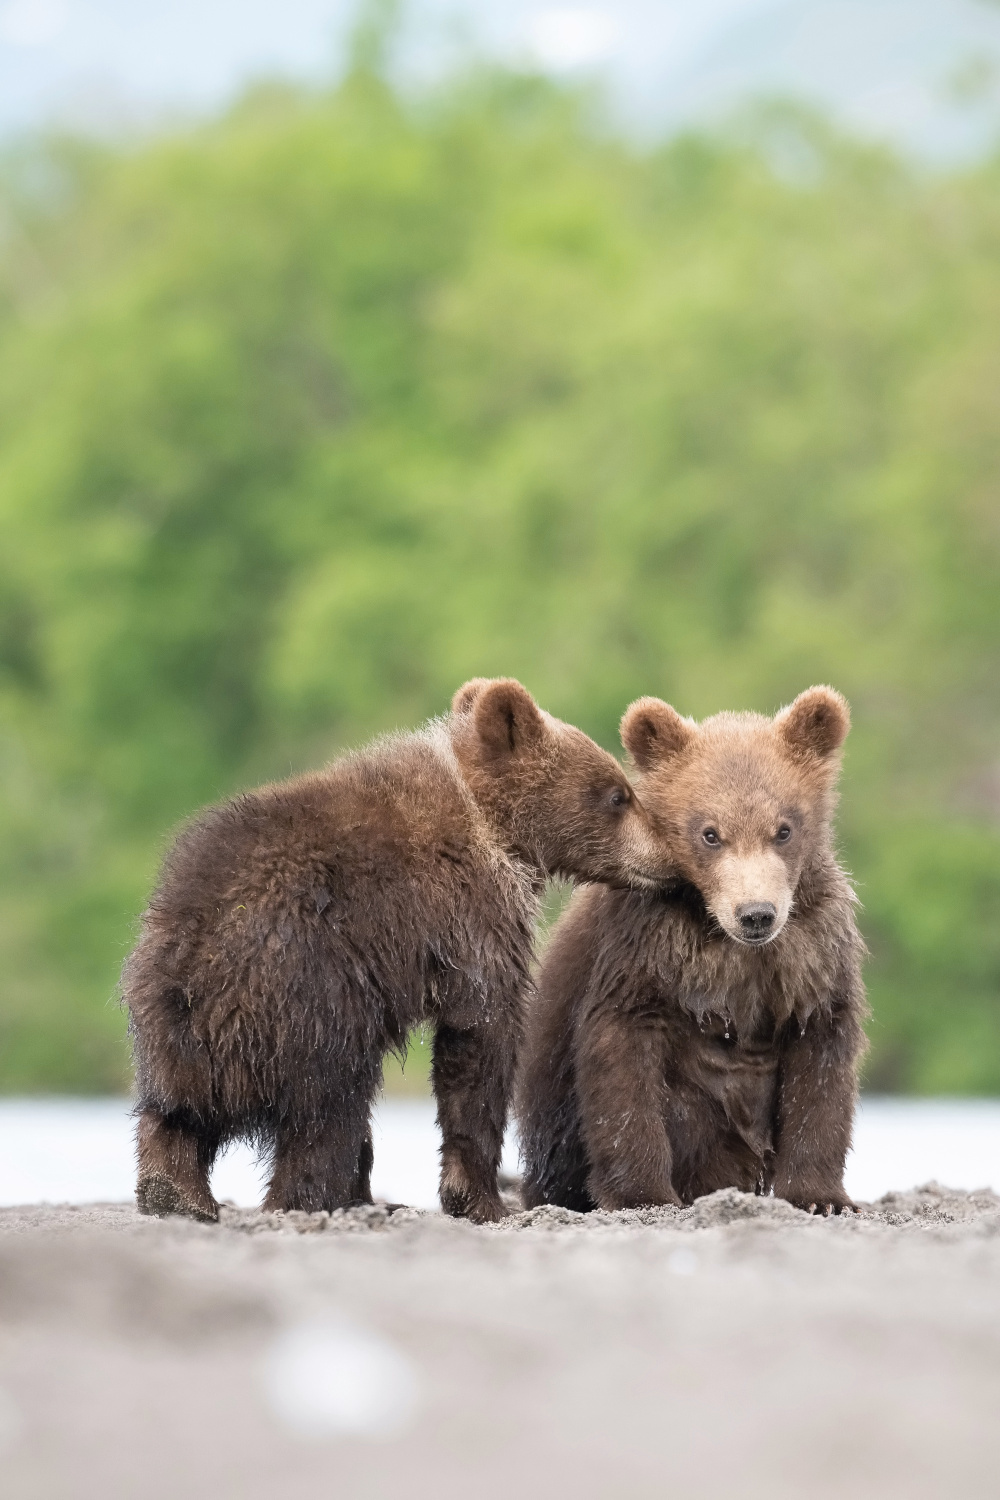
[652, 732]
[508, 720]
[816, 724]
[467, 694]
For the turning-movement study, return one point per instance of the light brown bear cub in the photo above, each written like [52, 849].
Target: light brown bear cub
[707, 1035]
[298, 932]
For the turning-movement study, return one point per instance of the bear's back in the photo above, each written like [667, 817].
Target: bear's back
[387, 814]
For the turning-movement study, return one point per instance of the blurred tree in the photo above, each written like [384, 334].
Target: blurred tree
[308, 414]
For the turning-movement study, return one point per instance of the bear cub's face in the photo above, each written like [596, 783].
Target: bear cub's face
[566, 803]
[744, 802]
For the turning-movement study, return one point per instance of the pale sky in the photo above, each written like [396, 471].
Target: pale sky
[197, 53]
[881, 66]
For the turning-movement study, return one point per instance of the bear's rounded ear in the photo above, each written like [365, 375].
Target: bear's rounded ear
[467, 694]
[816, 724]
[508, 720]
[652, 732]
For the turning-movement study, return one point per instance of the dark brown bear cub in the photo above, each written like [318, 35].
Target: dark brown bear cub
[708, 1034]
[298, 932]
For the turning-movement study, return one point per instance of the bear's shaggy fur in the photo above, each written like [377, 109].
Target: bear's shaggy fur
[708, 1034]
[299, 931]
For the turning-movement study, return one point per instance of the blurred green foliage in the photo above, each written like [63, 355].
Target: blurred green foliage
[308, 414]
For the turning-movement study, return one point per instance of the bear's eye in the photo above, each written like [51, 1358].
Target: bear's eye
[783, 834]
[711, 838]
[619, 797]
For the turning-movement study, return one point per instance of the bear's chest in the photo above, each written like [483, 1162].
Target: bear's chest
[738, 1069]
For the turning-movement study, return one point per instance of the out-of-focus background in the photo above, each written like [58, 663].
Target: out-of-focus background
[626, 349]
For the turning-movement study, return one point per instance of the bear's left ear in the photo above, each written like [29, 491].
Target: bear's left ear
[508, 720]
[652, 731]
[816, 724]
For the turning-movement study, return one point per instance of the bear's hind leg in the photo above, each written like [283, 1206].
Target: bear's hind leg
[361, 1186]
[174, 1162]
[324, 1163]
[556, 1168]
[712, 1159]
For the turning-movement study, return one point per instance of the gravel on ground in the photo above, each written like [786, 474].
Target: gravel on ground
[735, 1348]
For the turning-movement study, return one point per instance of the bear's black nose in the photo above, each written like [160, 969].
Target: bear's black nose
[756, 918]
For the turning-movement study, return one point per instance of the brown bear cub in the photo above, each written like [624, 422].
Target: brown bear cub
[708, 1034]
[299, 931]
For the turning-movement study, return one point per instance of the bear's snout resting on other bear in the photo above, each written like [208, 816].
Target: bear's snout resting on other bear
[708, 1034]
[299, 931]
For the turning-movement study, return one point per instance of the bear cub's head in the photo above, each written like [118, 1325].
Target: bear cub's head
[745, 802]
[559, 800]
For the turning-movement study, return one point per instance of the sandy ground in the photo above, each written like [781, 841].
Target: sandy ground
[736, 1348]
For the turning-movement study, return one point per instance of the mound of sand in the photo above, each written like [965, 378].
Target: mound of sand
[737, 1347]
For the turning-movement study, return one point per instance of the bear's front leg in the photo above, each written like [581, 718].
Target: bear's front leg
[621, 1089]
[472, 1072]
[817, 1093]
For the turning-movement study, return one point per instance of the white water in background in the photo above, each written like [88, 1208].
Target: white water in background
[80, 1150]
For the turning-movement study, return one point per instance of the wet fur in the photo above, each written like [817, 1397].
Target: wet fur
[664, 1059]
[298, 932]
